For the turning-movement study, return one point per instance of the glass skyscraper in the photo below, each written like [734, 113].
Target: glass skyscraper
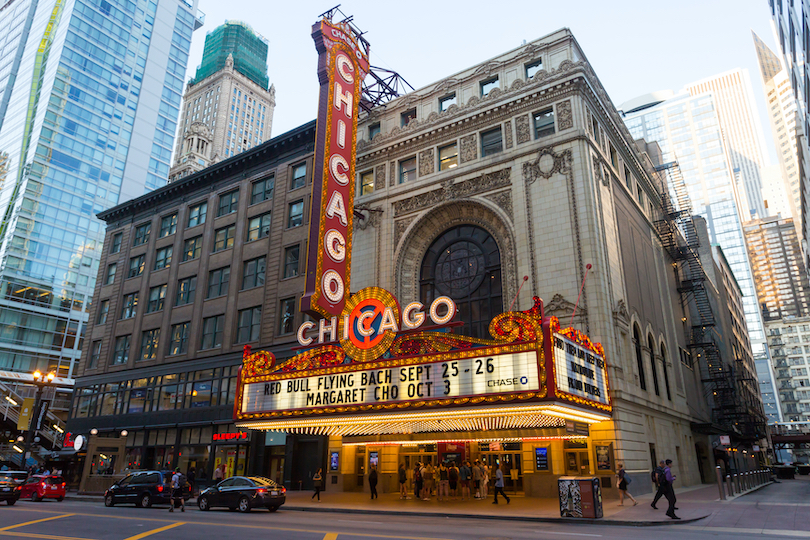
[89, 100]
[687, 127]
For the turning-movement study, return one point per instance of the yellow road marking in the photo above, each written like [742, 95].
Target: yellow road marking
[154, 531]
[45, 536]
[35, 521]
[330, 536]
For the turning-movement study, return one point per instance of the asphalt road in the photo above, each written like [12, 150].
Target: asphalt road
[78, 520]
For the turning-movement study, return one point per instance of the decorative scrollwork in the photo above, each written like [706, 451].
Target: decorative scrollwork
[519, 325]
[258, 363]
[435, 342]
[321, 357]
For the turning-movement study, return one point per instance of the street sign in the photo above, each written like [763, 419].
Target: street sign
[725, 440]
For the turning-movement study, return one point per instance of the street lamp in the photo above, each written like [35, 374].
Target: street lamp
[41, 382]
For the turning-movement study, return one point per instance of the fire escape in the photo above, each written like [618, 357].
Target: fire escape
[728, 386]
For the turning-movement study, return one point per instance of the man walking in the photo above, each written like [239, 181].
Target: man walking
[372, 482]
[178, 483]
[660, 481]
[670, 491]
[499, 484]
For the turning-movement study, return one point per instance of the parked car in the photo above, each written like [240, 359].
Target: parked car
[9, 488]
[40, 486]
[244, 493]
[143, 488]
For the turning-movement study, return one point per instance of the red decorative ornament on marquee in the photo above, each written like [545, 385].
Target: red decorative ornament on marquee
[575, 335]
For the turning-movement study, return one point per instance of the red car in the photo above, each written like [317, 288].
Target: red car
[40, 487]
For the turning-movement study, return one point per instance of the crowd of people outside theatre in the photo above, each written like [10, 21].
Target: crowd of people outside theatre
[449, 481]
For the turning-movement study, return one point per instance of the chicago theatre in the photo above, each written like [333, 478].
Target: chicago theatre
[481, 279]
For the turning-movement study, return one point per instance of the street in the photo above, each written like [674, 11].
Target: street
[82, 520]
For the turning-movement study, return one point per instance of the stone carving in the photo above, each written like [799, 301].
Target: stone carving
[473, 101]
[597, 168]
[371, 216]
[503, 199]
[560, 307]
[450, 191]
[531, 50]
[532, 170]
[507, 132]
[379, 177]
[517, 84]
[392, 178]
[400, 226]
[522, 129]
[621, 316]
[605, 176]
[488, 68]
[446, 85]
[469, 148]
[565, 118]
[426, 162]
[494, 93]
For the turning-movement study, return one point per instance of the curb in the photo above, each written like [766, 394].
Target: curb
[530, 519]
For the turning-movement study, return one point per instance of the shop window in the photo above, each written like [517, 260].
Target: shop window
[168, 225]
[491, 142]
[218, 282]
[228, 203]
[196, 214]
[448, 156]
[185, 291]
[299, 176]
[259, 227]
[464, 263]
[253, 273]
[142, 234]
[262, 190]
[163, 258]
[116, 243]
[192, 248]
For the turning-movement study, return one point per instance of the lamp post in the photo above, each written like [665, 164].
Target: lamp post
[41, 381]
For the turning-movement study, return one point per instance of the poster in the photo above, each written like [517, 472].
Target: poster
[604, 457]
[541, 459]
[334, 461]
[570, 498]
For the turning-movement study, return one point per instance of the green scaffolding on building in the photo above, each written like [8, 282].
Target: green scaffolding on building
[249, 52]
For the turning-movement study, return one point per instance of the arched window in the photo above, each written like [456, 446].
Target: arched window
[464, 263]
[639, 360]
[651, 345]
[666, 373]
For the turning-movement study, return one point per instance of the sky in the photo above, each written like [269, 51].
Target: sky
[634, 46]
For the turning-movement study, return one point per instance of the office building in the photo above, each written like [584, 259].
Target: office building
[227, 107]
[689, 131]
[89, 95]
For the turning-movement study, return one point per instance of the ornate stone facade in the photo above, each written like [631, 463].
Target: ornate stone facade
[522, 128]
[379, 177]
[565, 118]
[469, 148]
[426, 162]
[507, 134]
[453, 191]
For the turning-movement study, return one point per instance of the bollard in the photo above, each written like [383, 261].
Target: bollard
[720, 483]
[729, 486]
[737, 488]
[746, 481]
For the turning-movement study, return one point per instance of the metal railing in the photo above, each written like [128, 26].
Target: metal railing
[11, 412]
[740, 483]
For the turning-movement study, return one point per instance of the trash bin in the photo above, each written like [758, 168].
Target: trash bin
[785, 472]
[804, 469]
[580, 497]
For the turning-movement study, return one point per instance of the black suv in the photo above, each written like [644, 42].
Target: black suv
[143, 488]
[9, 489]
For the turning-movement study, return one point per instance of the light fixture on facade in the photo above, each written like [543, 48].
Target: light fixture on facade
[94, 431]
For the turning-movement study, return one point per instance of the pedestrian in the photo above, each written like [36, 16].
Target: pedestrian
[452, 476]
[192, 477]
[403, 482]
[484, 479]
[499, 484]
[372, 482]
[464, 474]
[670, 491]
[444, 482]
[179, 482]
[427, 481]
[624, 479]
[317, 483]
[219, 474]
[660, 481]
[476, 474]
[417, 481]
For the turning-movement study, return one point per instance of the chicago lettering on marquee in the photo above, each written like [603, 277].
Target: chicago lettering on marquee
[342, 66]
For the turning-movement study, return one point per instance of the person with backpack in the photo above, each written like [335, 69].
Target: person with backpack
[179, 483]
[660, 481]
[317, 483]
[452, 475]
[624, 481]
[670, 491]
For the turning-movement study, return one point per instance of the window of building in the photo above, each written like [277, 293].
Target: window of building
[253, 273]
[448, 156]
[197, 213]
[407, 170]
[299, 176]
[287, 316]
[614, 160]
[142, 234]
[488, 85]
[491, 142]
[406, 117]
[156, 297]
[121, 353]
[373, 130]
[595, 130]
[168, 225]
[258, 227]
[136, 265]
[223, 238]
[654, 370]
[628, 178]
[296, 214]
[110, 274]
[149, 344]
[262, 190]
[163, 258]
[129, 306]
[666, 372]
[185, 291]
[533, 67]
[291, 261]
[250, 322]
[95, 353]
[179, 338]
[366, 182]
[640, 194]
[642, 380]
[544, 123]
[218, 282]
[116, 242]
[446, 101]
[228, 203]
[103, 310]
[212, 332]
[192, 248]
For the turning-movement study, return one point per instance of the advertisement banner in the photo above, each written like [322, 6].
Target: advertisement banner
[26, 413]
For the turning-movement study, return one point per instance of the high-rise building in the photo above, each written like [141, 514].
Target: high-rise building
[782, 116]
[793, 39]
[781, 279]
[89, 100]
[228, 107]
[689, 130]
[739, 121]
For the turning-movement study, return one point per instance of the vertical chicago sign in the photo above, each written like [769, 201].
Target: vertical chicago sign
[342, 66]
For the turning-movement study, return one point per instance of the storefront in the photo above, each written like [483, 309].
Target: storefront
[393, 390]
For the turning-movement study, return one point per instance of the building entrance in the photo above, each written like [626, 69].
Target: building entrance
[577, 460]
[510, 464]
